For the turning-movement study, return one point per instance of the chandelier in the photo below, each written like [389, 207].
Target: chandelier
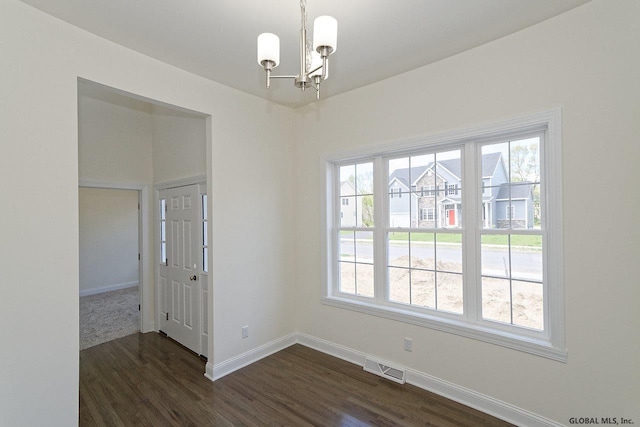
[314, 63]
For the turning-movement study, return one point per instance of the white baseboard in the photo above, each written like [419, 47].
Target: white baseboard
[465, 396]
[487, 404]
[117, 286]
[332, 349]
[219, 370]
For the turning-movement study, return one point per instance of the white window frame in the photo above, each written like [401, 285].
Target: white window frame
[550, 342]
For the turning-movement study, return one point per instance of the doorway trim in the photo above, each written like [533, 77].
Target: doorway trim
[144, 274]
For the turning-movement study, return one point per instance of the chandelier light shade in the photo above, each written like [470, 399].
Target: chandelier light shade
[325, 34]
[314, 63]
[268, 49]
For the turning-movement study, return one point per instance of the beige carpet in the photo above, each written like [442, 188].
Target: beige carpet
[105, 317]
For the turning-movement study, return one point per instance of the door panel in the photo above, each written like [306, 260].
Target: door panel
[188, 306]
[182, 269]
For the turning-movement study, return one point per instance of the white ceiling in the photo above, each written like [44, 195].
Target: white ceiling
[377, 39]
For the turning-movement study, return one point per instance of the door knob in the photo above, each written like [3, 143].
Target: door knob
[194, 277]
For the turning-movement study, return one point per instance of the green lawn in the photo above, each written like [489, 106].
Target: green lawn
[488, 239]
[493, 239]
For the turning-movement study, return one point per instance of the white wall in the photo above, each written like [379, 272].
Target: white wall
[588, 62]
[179, 142]
[115, 142]
[115, 137]
[108, 239]
[42, 59]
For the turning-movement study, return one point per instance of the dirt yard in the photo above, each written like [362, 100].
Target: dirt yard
[442, 290]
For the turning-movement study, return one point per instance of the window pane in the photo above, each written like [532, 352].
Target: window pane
[364, 178]
[490, 204]
[347, 277]
[163, 231]
[348, 212]
[398, 250]
[525, 160]
[420, 165]
[205, 259]
[204, 232]
[399, 196]
[495, 178]
[423, 288]
[399, 285]
[347, 180]
[422, 251]
[364, 246]
[399, 210]
[537, 218]
[426, 207]
[364, 211]
[347, 246]
[496, 299]
[528, 307]
[518, 206]
[364, 280]
[449, 292]
[495, 256]
[163, 209]
[204, 206]
[495, 167]
[449, 252]
[361, 208]
[163, 252]
[526, 257]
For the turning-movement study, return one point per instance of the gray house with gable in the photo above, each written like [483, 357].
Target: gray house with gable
[430, 196]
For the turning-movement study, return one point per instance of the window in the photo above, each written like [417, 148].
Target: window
[204, 242]
[397, 192]
[511, 212]
[354, 237]
[427, 214]
[345, 201]
[448, 264]
[163, 231]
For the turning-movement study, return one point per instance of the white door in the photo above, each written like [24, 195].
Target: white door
[180, 291]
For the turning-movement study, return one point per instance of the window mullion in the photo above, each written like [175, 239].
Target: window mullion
[380, 215]
[335, 219]
[471, 184]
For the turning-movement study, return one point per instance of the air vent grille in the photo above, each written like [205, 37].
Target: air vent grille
[384, 370]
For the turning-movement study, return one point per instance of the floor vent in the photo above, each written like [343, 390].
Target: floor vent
[384, 370]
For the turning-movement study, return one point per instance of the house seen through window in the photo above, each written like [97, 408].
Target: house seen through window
[458, 233]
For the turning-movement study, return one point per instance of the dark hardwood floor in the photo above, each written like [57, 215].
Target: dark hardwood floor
[149, 380]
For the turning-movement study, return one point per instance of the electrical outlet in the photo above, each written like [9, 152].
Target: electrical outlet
[408, 344]
[245, 332]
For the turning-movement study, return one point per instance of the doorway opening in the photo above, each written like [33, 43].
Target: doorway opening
[109, 261]
[130, 142]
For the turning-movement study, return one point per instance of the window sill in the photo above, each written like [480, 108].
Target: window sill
[461, 327]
